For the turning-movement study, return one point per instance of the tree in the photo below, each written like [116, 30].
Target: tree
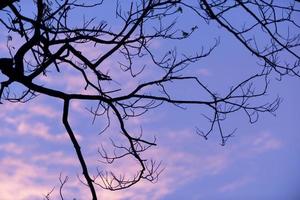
[50, 41]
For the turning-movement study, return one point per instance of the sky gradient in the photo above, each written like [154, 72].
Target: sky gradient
[260, 162]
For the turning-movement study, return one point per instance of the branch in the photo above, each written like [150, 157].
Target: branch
[77, 149]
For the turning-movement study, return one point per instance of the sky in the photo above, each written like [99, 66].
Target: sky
[260, 162]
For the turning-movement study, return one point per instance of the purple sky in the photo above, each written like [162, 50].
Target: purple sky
[260, 162]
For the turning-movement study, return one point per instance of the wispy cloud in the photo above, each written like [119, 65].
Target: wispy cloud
[29, 180]
[236, 184]
[22, 180]
[180, 168]
[11, 148]
[266, 142]
[183, 165]
[3, 47]
[30, 120]
[56, 158]
[33, 108]
[204, 72]
[41, 130]
[42, 110]
[257, 144]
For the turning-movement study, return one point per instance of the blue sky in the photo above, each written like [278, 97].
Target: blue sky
[260, 162]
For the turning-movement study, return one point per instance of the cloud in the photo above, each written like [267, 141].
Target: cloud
[265, 142]
[236, 184]
[256, 144]
[31, 120]
[56, 158]
[142, 191]
[12, 148]
[204, 72]
[68, 81]
[42, 110]
[33, 108]
[23, 181]
[26, 180]
[184, 162]
[180, 168]
[3, 48]
[39, 129]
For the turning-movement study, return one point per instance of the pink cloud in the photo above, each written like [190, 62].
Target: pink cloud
[39, 129]
[22, 180]
[57, 157]
[180, 168]
[236, 184]
[31, 109]
[266, 142]
[12, 148]
[67, 81]
[204, 72]
[43, 110]
[19, 180]
[3, 47]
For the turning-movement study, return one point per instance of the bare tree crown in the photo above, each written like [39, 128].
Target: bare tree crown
[49, 40]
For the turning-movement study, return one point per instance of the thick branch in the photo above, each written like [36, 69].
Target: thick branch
[77, 149]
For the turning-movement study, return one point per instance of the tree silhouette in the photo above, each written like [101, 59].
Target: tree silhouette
[50, 40]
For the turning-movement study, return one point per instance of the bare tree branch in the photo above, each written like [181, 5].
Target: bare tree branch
[48, 40]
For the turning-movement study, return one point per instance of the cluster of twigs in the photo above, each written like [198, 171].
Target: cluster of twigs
[50, 40]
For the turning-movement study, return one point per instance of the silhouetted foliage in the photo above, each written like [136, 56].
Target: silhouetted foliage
[49, 40]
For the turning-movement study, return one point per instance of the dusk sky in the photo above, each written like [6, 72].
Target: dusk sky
[261, 161]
